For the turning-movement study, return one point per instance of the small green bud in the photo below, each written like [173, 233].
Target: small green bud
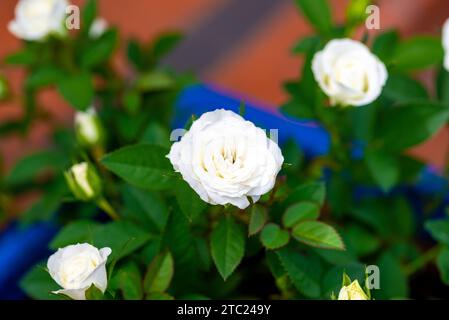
[83, 181]
[88, 128]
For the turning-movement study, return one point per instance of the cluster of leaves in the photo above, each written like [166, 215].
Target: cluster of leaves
[369, 173]
[81, 68]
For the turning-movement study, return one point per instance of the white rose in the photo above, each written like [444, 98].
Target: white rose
[226, 159]
[352, 292]
[88, 127]
[76, 267]
[35, 19]
[349, 73]
[98, 27]
[446, 44]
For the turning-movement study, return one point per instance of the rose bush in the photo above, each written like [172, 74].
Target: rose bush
[226, 212]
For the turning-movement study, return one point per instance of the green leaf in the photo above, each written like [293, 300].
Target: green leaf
[75, 232]
[132, 101]
[77, 89]
[93, 293]
[257, 220]
[227, 246]
[393, 281]
[142, 165]
[306, 44]
[384, 168]
[443, 265]
[43, 76]
[273, 237]
[318, 13]
[38, 284]
[439, 229]
[145, 207]
[292, 154]
[165, 43]
[443, 85]
[178, 238]
[304, 272]
[318, 234]
[25, 57]
[88, 15]
[299, 212]
[155, 81]
[34, 165]
[418, 53]
[45, 208]
[188, 200]
[426, 118]
[122, 237]
[159, 273]
[100, 50]
[402, 88]
[159, 296]
[156, 134]
[385, 44]
[359, 241]
[135, 55]
[312, 191]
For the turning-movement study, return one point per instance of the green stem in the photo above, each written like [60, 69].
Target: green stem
[104, 205]
[422, 260]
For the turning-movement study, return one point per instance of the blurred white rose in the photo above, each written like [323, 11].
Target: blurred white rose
[352, 292]
[98, 27]
[226, 159]
[446, 44]
[76, 267]
[36, 19]
[88, 127]
[348, 73]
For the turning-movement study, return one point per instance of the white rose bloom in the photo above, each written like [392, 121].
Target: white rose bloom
[36, 19]
[349, 73]
[352, 292]
[446, 44]
[98, 27]
[76, 267]
[226, 159]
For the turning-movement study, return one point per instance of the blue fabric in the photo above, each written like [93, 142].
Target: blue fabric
[22, 248]
[199, 99]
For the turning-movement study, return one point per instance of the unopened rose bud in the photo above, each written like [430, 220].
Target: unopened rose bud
[352, 291]
[98, 27]
[83, 181]
[446, 44]
[88, 128]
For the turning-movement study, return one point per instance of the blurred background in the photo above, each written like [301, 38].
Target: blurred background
[242, 47]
